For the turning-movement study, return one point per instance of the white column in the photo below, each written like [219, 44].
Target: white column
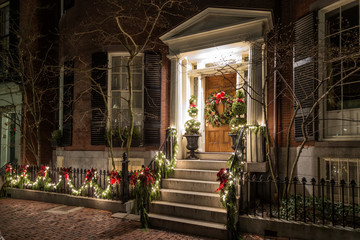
[254, 100]
[201, 105]
[176, 99]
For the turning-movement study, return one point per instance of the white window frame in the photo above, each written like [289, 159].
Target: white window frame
[110, 91]
[348, 190]
[321, 37]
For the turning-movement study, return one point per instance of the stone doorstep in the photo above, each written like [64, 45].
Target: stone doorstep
[70, 200]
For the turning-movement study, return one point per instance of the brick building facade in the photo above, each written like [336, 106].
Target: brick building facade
[230, 30]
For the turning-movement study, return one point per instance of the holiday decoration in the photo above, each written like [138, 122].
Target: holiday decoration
[239, 105]
[192, 126]
[115, 177]
[193, 110]
[212, 116]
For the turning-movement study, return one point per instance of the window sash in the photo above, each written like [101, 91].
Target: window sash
[342, 107]
[118, 108]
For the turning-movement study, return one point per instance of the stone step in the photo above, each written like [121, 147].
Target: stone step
[193, 198]
[201, 164]
[214, 155]
[190, 185]
[195, 174]
[196, 212]
[190, 226]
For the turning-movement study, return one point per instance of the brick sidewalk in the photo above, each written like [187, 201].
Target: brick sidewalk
[22, 219]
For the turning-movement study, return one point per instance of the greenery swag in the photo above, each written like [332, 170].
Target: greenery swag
[147, 182]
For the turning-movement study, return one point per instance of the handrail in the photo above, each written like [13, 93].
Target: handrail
[239, 146]
[166, 147]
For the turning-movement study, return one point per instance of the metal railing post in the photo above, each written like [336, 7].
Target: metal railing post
[125, 178]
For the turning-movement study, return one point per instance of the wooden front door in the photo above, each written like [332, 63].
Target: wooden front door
[216, 138]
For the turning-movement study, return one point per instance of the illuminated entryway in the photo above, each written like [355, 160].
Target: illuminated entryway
[216, 42]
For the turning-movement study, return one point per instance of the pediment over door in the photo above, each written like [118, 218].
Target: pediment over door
[218, 26]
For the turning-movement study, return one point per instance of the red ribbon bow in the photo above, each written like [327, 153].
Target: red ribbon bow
[8, 168]
[240, 100]
[42, 171]
[114, 177]
[220, 96]
[192, 105]
[222, 176]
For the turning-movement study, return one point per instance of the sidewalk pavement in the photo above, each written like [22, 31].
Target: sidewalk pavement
[23, 219]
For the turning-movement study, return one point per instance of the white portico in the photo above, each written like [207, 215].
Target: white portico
[216, 42]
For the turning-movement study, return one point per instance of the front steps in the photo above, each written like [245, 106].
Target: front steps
[189, 203]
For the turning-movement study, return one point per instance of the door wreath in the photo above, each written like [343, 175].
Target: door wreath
[212, 116]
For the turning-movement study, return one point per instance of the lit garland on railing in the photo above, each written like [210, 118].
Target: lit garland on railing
[43, 180]
[150, 190]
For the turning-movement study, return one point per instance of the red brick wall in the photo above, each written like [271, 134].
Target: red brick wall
[37, 18]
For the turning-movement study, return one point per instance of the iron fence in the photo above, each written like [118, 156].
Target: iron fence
[122, 191]
[306, 200]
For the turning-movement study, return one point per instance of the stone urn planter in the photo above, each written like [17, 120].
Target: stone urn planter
[233, 138]
[192, 145]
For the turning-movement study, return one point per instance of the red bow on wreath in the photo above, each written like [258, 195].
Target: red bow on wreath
[240, 100]
[220, 96]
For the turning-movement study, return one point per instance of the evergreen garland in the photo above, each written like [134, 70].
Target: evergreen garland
[212, 116]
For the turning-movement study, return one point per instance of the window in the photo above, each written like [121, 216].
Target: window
[342, 69]
[4, 36]
[342, 169]
[119, 94]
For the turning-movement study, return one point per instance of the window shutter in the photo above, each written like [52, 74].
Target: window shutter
[68, 103]
[98, 105]
[152, 98]
[305, 73]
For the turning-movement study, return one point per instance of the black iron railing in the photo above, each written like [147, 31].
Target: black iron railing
[240, 149]
[304, 200]
[166, 148]
[77, 177]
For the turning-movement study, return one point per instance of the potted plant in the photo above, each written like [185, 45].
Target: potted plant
[55, 139]
[192, 128]
[239, 119]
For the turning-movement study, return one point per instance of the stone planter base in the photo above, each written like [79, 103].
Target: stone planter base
[192, 145]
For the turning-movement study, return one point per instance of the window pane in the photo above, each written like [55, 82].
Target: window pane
[350, 41]
[332, 22]
[349, 16]
[124, 85]
[137, 65]
[332, 46]
[115, 82]
[116, 100]
[334, 96]
[137, 81]
[137, 100]
[116, 63]
[351, 84]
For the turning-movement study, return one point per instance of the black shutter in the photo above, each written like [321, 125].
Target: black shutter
[305, 73]
[68, 100]
[98, 105]
[152, 99]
